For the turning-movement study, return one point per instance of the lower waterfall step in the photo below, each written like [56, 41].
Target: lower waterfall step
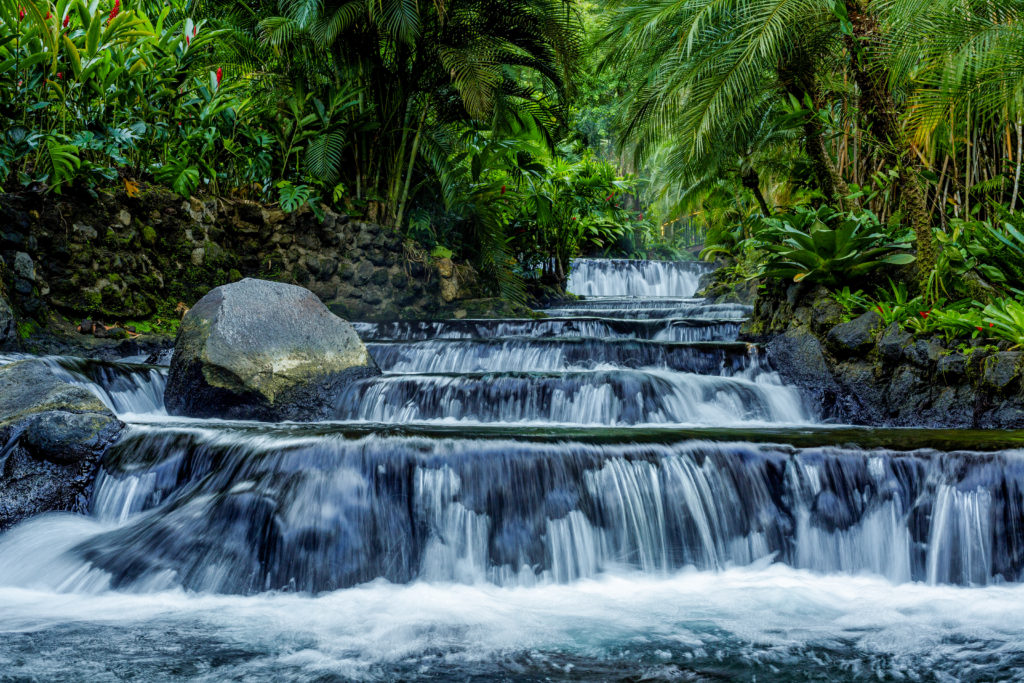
[222, 510]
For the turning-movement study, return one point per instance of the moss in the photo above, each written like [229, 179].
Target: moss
[114, 278]
[27, 328]
[148, 235]
[234, 275]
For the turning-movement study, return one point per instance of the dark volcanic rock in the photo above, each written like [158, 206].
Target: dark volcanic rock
[263, 350]
[52, 436]
[799, 358]
[856, 336]
[8, 327]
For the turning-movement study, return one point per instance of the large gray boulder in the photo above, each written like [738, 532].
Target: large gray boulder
[52, 437]
[259, 350]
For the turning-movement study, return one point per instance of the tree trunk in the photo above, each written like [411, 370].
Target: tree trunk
[798, 79]
[881, 114]
[752, 182]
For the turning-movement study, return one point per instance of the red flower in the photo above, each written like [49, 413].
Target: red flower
[60, 75]
[924, 314]
[991, 324]
[608, 198]
[47, 16]
[21, 12]
[114, 12]
[194, 30]
[187, 41]
[879, 308]
[639, 216]
[220, 72]
[979, 328]
[67, 20]
[503, 189]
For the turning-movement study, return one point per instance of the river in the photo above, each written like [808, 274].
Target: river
[620, 491]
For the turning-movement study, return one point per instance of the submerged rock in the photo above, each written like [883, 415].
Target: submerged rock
[52, 436]
[263, 350]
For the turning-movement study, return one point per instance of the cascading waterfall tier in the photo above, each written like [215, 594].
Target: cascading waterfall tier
[623, 278]
[317, 510]
[619, 486]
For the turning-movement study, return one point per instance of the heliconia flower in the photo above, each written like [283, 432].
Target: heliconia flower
[220, 72]
[503, 189]
[114, 12]
[67, 20]
[21, 12]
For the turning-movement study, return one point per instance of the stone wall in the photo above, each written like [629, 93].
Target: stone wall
[861, 372]
[149, 257]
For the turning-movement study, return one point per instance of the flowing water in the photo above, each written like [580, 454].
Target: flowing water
[621, 491]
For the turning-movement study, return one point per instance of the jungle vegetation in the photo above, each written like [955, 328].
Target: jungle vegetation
[842, 142]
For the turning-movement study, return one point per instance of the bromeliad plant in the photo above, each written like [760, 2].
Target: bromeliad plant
[827, 247]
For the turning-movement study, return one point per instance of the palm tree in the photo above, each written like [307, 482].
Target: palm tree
[701, 62]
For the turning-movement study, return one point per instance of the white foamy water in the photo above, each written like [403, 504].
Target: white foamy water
[766, 623]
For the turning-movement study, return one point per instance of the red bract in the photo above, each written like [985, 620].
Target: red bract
[67, 20]
[991, 324]
[47, 16]
[187, 41]
[21, 13]
[113, 12]
[220, 72]
[980, 328]
[924, 314]
[503, 189]
[60, 75]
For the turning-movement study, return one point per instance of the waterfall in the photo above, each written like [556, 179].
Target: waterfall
[612, 277]
[622, 485]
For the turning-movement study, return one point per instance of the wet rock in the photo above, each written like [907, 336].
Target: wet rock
[263, 350]
[8, 325]
[799, 359]
[854, 337]
[52, 437]
[1001, 370]
[24, 268]
[892, 342]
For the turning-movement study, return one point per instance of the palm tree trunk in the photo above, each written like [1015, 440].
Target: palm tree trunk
[752, 182]
[797, 77]
[882, 115]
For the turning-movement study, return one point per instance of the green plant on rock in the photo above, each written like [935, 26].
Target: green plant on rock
[826, 247]
[1005, 320]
